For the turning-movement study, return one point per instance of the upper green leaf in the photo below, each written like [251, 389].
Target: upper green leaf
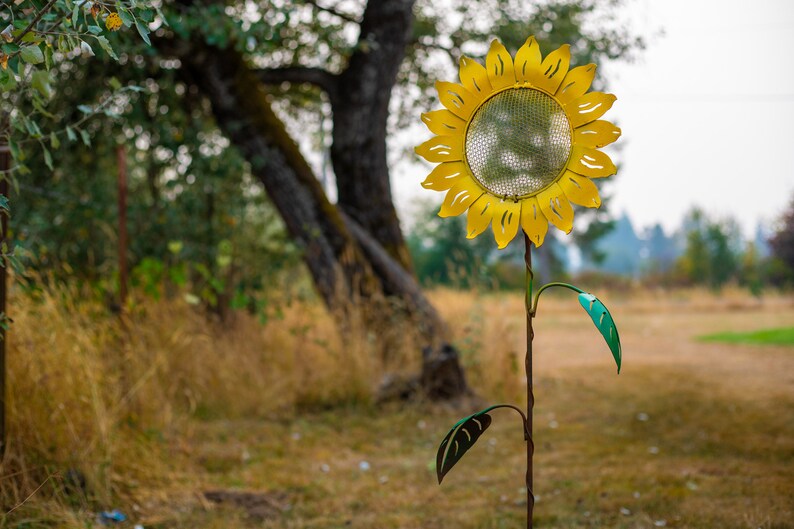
[604, 322]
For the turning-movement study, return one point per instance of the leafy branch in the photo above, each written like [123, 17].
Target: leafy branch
[35, 21]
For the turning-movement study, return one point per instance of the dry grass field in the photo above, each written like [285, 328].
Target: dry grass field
[277, 422]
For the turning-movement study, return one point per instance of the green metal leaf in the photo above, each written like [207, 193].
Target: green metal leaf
[460, 438]
[604, 322]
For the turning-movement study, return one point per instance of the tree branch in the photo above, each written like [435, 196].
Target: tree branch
[318, 77]
[453, 53]
[331, 10]
[34, 21]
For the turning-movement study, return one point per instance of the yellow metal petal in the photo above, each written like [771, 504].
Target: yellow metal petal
[589, 107]
[554, 68]
[596, 134]
[576, 83]
[533, 221]
[506, 218]
[556, 208]
[443, 122]
[528, 59]
[442, 149]
[475, 78]
[445, 175]
[590, 162]
[499, 65]
[461, 196]
[480, 215]
[580, 190]
[457, 99]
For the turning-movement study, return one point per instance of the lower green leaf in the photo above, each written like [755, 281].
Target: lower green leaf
[604, 323]
[460, 438]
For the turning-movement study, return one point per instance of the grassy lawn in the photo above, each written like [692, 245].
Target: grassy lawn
[784, 336]
[665, 450]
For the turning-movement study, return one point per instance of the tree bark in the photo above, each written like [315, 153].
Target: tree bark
[243, 112]
[360, 97]
[361, 111]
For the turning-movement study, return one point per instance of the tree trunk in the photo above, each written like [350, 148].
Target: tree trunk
[242, 111]
[361, 110]
[345, 260]
[356, 250]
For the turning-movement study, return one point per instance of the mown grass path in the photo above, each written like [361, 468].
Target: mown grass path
[690, 435]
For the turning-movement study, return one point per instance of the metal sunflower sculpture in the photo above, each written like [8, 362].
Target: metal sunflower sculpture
[517, 143]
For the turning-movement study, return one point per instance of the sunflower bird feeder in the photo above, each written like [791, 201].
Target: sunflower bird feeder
[517, 143]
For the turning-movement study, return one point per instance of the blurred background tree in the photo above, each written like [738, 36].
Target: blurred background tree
[782, 245]
[713, 249]
[295, 99]
[269, 92]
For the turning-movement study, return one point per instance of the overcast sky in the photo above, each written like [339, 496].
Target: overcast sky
[707, 114]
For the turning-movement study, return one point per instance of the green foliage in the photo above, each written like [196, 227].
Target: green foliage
[713, 249]
[39, 37]
[198, 224]
[443, 255]
[751, 271]
[784, 336]
[782, 242]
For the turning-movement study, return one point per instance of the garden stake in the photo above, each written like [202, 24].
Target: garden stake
[516, 144]
[530, 394]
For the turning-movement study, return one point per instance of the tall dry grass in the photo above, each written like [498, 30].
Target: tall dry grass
[102, 404]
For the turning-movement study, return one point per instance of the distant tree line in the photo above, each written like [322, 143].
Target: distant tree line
[704, 251]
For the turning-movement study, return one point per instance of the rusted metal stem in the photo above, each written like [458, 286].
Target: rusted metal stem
[516, 408]
[530, 394]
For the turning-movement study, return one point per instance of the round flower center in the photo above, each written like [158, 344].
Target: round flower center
[518, 142]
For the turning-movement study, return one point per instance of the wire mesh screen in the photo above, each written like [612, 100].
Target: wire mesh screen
[518, 142]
